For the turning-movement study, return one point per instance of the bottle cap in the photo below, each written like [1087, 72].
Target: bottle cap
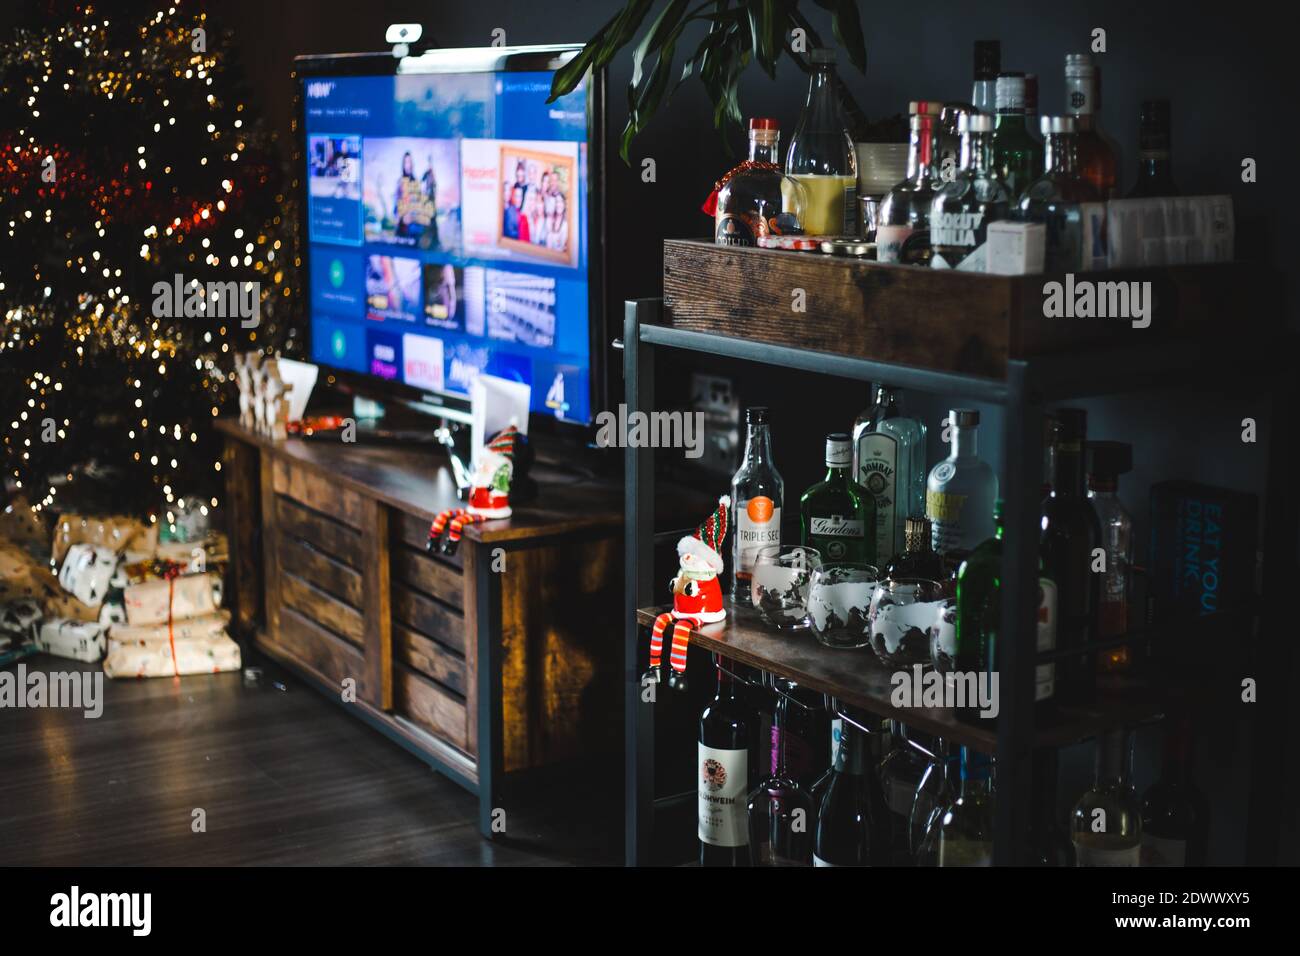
[822, 55]
[1079, 66]
[756, 415]
[1050, 125]
[1109, 459]
[1072, 425]
[763, 122]
[1010, 91]
[974, 123]
[964, 417]
[916, 533]
[1155, 114]
[1031, 93]
[988, 59]
[924, 107]
[839, 450]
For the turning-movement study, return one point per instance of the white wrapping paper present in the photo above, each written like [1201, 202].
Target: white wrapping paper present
[210, 625]
[196, 655]
[76, 640]
[157, 602]
[86, 572]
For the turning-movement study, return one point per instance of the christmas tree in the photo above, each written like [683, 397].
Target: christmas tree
[149, 235]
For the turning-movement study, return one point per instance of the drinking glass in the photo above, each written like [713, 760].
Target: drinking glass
[901, 613]
[778, 804]
[943, 636]
[780, 585]
[839, 600]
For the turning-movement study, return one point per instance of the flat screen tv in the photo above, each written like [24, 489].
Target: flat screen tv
[453, 226]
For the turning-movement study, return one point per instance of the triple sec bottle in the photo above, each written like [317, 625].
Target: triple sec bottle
[757, 496]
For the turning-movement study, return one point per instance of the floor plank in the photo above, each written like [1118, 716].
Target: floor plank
[284, 776]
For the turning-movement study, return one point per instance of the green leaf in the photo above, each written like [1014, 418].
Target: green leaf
[666, 25]
[846, 24]
[763, 32]
[601, 48]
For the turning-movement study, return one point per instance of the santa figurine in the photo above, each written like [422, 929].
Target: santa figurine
[489, 495]
[697, 594]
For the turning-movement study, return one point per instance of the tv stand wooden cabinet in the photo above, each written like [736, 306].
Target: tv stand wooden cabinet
[503, 657]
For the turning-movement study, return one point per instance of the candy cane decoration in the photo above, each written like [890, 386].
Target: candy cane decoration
[452, 522]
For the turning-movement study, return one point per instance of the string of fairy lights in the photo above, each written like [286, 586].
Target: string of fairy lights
[81, 202]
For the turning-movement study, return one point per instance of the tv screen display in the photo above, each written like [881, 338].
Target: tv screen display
[447, 225]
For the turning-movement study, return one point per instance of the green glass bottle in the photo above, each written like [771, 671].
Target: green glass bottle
[979, 606]
[838, 516]
[1017, 155]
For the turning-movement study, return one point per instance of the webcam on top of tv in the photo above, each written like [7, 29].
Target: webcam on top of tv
[402, 35]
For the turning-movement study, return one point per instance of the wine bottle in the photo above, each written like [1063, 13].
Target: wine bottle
[725, 734]
[780, 811]
[962, 833]
[844, 819]
[1070, 535]
[1175, 815]
[1106, 826]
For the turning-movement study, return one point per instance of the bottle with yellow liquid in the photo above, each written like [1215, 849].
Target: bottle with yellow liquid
[821, 156]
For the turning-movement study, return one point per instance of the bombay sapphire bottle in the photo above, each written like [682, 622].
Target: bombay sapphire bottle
[963, 208]
[889, 461]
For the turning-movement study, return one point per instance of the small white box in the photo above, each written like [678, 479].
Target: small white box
[1016, 248]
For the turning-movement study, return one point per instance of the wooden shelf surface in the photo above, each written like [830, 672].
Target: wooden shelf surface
[942, 320]
[858, 679]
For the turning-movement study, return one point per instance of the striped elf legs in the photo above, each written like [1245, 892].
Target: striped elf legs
[677, 655]
[453, 522]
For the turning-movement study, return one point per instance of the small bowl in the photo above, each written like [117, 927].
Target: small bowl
[779, 587]
[902, 611]
[839, 601]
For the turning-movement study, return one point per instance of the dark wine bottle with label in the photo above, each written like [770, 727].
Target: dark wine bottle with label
[722, 777]
[1175, 815]
[1070, 538]
[844, 820]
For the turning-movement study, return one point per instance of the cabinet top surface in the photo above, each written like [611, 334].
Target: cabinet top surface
[419, 481]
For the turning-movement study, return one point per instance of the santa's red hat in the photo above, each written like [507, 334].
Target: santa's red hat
[707, 541]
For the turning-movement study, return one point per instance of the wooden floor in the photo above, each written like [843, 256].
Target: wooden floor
[285, 777]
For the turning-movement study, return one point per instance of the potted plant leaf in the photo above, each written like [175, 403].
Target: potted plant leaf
[736, 33]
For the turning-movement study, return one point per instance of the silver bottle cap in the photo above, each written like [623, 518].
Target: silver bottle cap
[839, 450]
[1057, 124]
[974, 123]
[964, 417]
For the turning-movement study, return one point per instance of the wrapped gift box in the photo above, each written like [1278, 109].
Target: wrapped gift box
[77, 640]
[157, 602]
[209, 625]
[86, 572]
[116, 532]
[23, 576]
[204, 655]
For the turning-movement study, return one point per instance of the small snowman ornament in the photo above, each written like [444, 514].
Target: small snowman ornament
[697, 594]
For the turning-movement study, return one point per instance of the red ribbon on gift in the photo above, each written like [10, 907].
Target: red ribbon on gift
[171, 574]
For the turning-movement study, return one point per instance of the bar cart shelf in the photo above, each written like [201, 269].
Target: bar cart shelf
[856, 678]
[983, 338]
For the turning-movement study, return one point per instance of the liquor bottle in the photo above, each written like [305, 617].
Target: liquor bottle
[889, 461]
[900, 776]
[918, 559]
[1053, 199]
[960, 491]
[1155, 173]
[723, 777]
[837, 515]
[1017, 155]
[844, 825]
[1031, 107]
[821, 157]
[780, 811]
[1175, 815]
[818, 788]
[936, 789]
[963, 208]
[756, 199]
[988, 63]
[1107, 460]
[947, 142]
[979, 612]
[902, 227]
[962, 833]
[1049, 843]
[1106, 826]
[798, 735]
[1070, 533]
[1098, 161]
[757, 495]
